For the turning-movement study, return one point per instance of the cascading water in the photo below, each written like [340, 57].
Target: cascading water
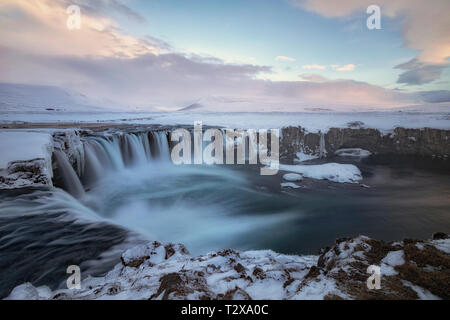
[162, 144]
[103, 154]
[71, 181]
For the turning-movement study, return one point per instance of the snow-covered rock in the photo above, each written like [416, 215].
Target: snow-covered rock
[289, 185]
[352, 152]
[27, 291]
[292, 177]
[167, 271]
[336, 172]
[25, 159]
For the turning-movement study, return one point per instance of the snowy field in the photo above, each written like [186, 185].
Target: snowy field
[312, 122]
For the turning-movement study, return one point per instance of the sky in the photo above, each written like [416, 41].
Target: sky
[247, 55]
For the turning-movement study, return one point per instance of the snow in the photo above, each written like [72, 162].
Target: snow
[23, 146]
[289, 185]
[292, 177]
[443, 245]
[27, 291]
[254, 274]
[166, 271]
[422, 293]
[314, 290]
[25, 159]
[386, 122]
[336, 172]
[41, 98]
[352, 152]
[392, 259]
[302, 157]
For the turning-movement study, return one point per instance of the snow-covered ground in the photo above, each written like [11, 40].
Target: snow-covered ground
[312, 122]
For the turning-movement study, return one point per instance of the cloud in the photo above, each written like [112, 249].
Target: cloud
[438, 96]
[418, 72]
[168, 79]
[313, 77]
[175, 80]
[425, 27]
[115, 69]
[347, 67]
[336, 67]
[39, 26]
[314, 66]
[105, 7]
[284, 58]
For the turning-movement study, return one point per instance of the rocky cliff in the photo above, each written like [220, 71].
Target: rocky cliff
[423, 142]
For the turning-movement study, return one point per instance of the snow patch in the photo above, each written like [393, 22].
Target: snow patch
[393, 259]
[302, 157]
[292, 177]
[443, 245]
[290, 185]
[353, 152]
[422, 293]
[336, 172]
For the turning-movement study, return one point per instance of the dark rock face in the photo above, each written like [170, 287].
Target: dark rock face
[424, 142]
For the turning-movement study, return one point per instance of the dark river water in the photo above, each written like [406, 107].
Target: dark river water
[210, 208]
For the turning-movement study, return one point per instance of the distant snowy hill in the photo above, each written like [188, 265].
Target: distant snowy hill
[36, 98]
[226, 104]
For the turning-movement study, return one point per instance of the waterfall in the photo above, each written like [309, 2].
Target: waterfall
[100, 154]
[137, 149]
[71, 181]
[112, 149]
[94, 163]
[162, 145]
